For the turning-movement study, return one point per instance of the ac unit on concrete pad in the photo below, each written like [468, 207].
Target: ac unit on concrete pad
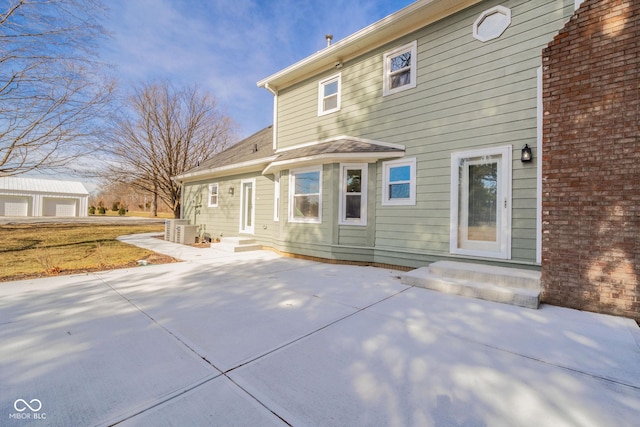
[186, 234]
[170, 228]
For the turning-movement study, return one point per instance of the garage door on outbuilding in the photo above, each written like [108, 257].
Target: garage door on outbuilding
[60, 207]
[14, 206]
[42, 197]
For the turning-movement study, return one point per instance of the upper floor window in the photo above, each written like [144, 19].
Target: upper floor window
[399, 182]
[353, 194]
[329, 95]
[400, 69]
[492, 23]
[305, 195]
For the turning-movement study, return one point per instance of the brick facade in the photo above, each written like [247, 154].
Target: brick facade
[591, 161]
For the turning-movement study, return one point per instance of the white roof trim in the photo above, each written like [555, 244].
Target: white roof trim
[339, 138]
[368, 157]
[222, 170]
[407, 20]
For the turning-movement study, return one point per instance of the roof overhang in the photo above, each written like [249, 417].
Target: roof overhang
[339, 149]
[401, 23]
[319, 159]
[237, 168]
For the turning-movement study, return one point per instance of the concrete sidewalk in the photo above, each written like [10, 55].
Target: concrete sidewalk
[258, 339]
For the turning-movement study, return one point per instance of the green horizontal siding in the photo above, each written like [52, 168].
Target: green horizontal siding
[469, 95]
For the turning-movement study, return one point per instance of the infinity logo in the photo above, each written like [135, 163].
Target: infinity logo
[21, 405]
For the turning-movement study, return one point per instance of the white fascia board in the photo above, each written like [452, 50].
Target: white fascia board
[394, 26]
[339, 138]
[252, 165]
[330, 158]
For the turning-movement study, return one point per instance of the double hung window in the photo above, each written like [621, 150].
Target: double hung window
[353, 194]
[399, 182]
[400, 69]
[213, 195]
[329, 95]
[305, 195]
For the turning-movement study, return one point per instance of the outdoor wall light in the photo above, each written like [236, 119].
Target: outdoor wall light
[231, 191]
[526, 155]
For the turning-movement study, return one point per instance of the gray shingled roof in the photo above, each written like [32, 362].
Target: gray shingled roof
[339, 146]
[257, 146]
[257, 152]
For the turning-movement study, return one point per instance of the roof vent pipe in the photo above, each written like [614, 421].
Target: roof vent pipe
[329, 37]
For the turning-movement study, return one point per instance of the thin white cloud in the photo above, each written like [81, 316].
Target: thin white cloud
[226, 46]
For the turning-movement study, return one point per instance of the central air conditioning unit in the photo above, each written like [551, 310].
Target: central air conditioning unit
[186, 234]
[170, 228]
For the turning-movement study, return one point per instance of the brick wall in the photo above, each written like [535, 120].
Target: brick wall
[591, 161]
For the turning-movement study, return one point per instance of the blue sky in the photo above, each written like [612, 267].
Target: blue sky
[226, 46]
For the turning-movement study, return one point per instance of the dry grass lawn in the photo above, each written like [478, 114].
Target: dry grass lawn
[41, 250]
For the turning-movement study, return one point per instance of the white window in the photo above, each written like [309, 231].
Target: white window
[276, 197]
[353, 194]
[213, 195]
[400, 69]
[329, 95]
[399, 182]
[492, 23]
[305, 195]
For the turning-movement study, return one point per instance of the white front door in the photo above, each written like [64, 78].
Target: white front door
[481, 202]
[247, 205]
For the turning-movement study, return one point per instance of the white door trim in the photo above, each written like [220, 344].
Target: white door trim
[504, 198]
[247, 210]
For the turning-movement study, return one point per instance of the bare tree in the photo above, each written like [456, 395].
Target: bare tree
[52, 90]
[164, 132]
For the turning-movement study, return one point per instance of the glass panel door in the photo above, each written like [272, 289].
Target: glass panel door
[246, 207]
[481, 203]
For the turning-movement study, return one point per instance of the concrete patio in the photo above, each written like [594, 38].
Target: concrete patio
[258, 339]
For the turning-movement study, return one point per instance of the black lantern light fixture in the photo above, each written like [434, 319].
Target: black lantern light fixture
[231, 189]
[526, 155]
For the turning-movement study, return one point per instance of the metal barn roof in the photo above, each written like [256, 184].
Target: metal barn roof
[35, 185]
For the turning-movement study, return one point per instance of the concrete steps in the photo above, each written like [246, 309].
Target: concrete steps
[506, 285]
[237, 244]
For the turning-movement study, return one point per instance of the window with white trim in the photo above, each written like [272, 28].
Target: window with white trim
[400, 69]
[399, 182]
[213, 195]
[329, 95]
[353, 194]
[305, 195]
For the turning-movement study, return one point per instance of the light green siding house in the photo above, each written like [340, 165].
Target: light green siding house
[400, 144]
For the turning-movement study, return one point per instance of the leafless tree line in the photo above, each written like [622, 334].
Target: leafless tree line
[163, 132]
[52, 89]
[58, 108]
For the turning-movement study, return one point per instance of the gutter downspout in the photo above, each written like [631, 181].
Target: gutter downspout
[274, 92]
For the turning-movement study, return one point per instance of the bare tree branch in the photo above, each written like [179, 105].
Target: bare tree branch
[52, 91]
[165, 132]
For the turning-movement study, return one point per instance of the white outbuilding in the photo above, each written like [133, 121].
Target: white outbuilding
[42, 197]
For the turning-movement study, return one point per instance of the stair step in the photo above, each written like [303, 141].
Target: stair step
[237, 244]
[471, 287]
[501, 276]
[238, 240]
